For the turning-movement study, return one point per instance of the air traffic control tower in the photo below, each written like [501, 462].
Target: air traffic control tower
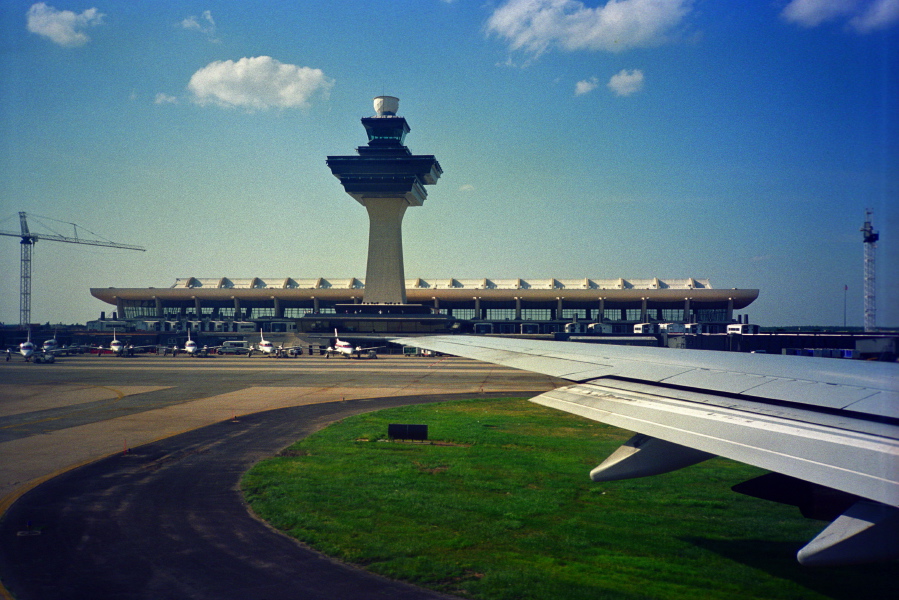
[385, 178]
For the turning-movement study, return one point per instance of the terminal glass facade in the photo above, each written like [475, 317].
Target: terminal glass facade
[570, 313]
[500, 314]
[536, 314]
[145, 309]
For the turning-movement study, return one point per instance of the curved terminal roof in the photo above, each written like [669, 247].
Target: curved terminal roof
[449, 292]
[445, 284]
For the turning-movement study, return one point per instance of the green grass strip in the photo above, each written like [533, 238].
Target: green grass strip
[500, 507]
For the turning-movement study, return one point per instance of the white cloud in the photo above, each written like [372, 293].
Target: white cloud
[206, 27]
[258, 83]
[585, 86]
[862, 15]
[164, 99]
[625, 82]
[879, 14]
[62, 26]
[536, 25]
[467, 187]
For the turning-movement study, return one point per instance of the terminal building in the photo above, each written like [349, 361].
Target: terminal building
[387, 179]
[472, 305]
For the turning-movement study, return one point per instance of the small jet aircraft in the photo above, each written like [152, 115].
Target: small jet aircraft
[51, 345]
[26, 348]
[265, 346]
[346, 348]
[115, 346]
[190, 347]
[269, 349]
[119, 348]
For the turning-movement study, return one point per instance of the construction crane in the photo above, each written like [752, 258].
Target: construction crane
[870, 237]
[28, 240]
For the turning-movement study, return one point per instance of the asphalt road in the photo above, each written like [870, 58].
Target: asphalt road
[166, 519]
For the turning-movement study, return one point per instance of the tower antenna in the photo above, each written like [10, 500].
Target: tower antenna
[870, 237]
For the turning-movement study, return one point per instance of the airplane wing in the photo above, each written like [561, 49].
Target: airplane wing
[827, 428]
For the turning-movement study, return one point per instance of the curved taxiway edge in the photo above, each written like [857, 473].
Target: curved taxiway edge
[168, 520]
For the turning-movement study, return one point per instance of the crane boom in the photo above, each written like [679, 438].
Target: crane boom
[28, 240]
[26, 234]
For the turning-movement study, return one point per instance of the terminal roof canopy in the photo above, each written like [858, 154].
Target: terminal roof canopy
[447, 283]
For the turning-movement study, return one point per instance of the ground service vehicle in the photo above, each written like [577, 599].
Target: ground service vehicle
[742, 328]
[234, 347]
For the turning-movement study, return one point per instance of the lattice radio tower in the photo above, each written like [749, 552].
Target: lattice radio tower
[870, 238]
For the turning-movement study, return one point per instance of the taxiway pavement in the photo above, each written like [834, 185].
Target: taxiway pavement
[192, 427]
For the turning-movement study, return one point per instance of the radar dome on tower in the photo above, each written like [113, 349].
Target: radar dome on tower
[386, 106]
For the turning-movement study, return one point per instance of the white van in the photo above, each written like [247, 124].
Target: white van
[599, 328]
[574, 327]
[234, 347]
[742, 328]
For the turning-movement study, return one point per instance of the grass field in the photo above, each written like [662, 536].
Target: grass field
[500, 506]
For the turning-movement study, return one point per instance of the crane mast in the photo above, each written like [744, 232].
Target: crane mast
[27, 244]
[870, 237]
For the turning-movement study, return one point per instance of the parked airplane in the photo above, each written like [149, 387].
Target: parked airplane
[346, 348]
[190, 347]
[265, 346]
[115, 345]
[827, 428]
[51, 345]
[269, 349]
[26, 348]
[119, 348]
[31, 354]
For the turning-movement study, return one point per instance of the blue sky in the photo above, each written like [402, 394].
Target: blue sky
[739, 142]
